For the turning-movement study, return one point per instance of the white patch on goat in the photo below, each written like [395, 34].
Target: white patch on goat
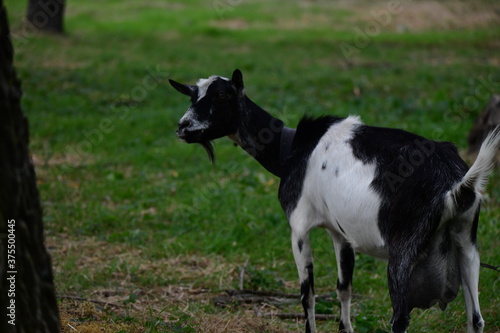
[337, 193]
[203, 85]
[195, 124]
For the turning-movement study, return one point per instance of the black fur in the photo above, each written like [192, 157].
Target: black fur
[476, 318]
[341, 326]
[473, 231]
[260, 136]
[465, 198]
[209, 148]
[183, 88]
[416, 185]
[347, 266]
[400, 324]
[306, 289]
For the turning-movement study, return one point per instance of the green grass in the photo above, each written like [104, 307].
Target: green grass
[111, 170]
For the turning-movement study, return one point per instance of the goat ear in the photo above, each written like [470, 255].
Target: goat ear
[237, 80]
[182, 88]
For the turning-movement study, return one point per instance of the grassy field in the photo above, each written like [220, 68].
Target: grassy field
[145, 232]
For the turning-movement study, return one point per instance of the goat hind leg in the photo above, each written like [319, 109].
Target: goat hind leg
[399, 276]
[469, 269]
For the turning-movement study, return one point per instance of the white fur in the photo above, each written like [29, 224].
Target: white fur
[480, 170]
[340, 194]
[203, 85]
[196, 125]
[477, 176]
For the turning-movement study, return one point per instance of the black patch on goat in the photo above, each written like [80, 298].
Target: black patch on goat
[399, 325]
[306, 287]
[476, 319]
[309, 132]
[446, 241]
[475, 224]
[464, 198]
[266, 150]
[347, 266]
[422, 184]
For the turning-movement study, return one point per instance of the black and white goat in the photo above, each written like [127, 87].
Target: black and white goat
[379, 191]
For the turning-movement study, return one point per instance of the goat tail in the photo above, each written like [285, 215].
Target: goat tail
[477, 176]
[476, 179]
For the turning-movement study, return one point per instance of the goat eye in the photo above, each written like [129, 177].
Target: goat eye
[222, 96]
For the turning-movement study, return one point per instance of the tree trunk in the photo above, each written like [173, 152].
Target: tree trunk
[26, 281]
[47, 15]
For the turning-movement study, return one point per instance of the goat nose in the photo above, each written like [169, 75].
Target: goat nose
[184, 124]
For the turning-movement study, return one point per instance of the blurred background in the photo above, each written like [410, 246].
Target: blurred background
[139, 220]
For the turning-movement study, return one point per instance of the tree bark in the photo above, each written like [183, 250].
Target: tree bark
[47, 15]
[26, 281]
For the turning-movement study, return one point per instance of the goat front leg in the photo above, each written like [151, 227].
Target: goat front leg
[345, 268]
[304, 261]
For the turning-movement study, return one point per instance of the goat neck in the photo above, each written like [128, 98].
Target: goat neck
[263, 136]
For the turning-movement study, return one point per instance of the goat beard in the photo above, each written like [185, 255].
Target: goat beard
[209, 148]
